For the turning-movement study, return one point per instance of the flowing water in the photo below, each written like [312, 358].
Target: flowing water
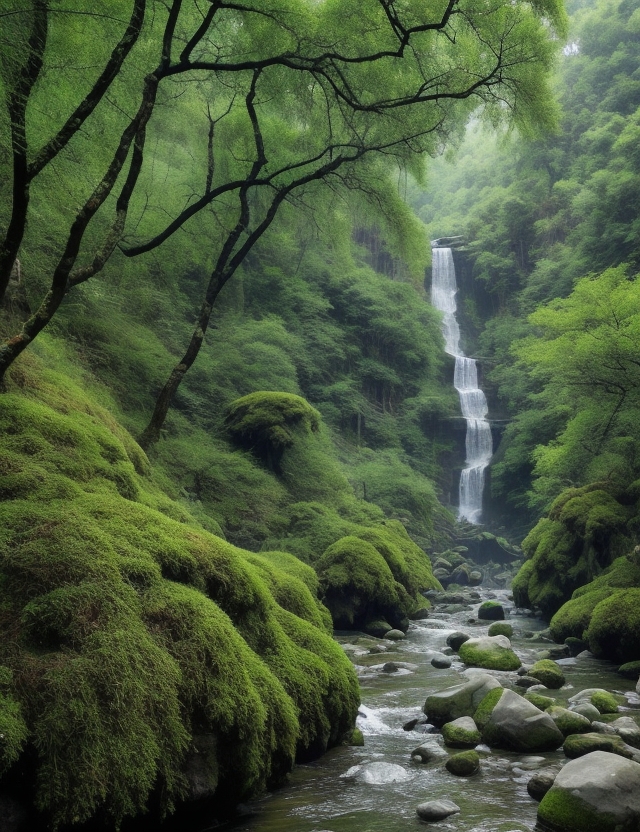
[473, 403]
[377, 788]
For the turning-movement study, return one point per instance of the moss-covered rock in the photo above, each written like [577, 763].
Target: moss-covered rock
[459, 700]
[569, 722]
[577, 745]
[500, 628]
[614, 629]
[461, 733]
[630, 670]
[491, 611]
[539, 700]
[491, 652]
[605, 702]
[548, 673]
[464, 764]
[516, 724]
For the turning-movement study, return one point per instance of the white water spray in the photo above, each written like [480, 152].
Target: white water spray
[479, 444]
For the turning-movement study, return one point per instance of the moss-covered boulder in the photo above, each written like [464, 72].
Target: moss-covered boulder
[459, 700]
[491, 611]
[464, 764]
[514, 723]
[630, 670]
[582, 800]
[548, 673]
[539, 700]
[605, 702]
[490, 652]
[461, 733]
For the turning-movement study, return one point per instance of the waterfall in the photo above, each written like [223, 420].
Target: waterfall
[479, 444]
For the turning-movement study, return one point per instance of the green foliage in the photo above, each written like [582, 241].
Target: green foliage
[614, 626]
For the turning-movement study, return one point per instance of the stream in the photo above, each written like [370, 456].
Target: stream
[377, 787]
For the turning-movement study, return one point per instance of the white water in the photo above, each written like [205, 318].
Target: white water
[479, 444]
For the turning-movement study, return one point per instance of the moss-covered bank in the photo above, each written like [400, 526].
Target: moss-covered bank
[129, 636]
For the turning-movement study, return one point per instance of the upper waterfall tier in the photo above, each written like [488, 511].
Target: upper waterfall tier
[473, 403]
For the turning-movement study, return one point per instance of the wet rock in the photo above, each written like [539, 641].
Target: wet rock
[454, 640]
[627, 728]
[464, 764]
[604, 701]
[569, 722]
[575, 645]
[378, 648]
[428, 752]
[475, 578]
[601, 727]
[423, 612]
[377, 628]
[560, 651]
[586, 709]
[413, 723]
[490, 652]
[435, 810]
[379, 773]
[460, 575]
[540, 783]
[390, 667]
[539, 700]
[582, 796]
[516, 724]
[395, 635]
[459, 700]
[439, 660]
[461, 733]
[577, 745]
[491, 611]
[356, 738]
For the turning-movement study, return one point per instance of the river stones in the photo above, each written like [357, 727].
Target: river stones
[578, 745]
[630, 670]
[464, 764]
[459, 700]
[439, 660]
[490, 652]
[454, 640]
[599, 791]
[548, 673]
[435, 810]
[491, 611]
[461, 733]
[540, 782]
[539, 700]
[569, 722]
[601, 699]
[526, 682]
[627, 728]
[516, 724]
[395, 635]
[428, 752]
[379, 773]
[586, 709]
[377, 628]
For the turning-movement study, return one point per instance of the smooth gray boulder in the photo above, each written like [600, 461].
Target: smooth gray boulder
[491, 652]
[459, 700]
[518, 725]
[599, 791]
[461, 733]
[435, 810]
[454, 640]
[439, 660]
[428, 752]
[540, 783]
[627, 729]
[586, 709]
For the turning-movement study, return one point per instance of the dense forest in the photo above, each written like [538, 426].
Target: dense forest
[227, 422]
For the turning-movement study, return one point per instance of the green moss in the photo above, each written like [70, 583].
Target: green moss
[464, 764]
[540, 701]
[358, 584]
[267, 419]
[485, 708]
[572, 619]
[496, 658]
[561, 810]
[500, 628]
[126, 629]
[605, 702]
[356, 738]
[456, 736]
[614, 629]
[548, 673]
[568, 721]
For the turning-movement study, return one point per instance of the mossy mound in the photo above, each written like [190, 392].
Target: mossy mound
[540, 701]
[569, 722]
[605, 613]
[461, 733]
[584, 530]
[548, 673]
[126, 630]
[266, 421]
[377, 574]
[605, 702]
[491, 611]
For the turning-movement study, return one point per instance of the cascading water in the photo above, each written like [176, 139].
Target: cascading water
[479, 444]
